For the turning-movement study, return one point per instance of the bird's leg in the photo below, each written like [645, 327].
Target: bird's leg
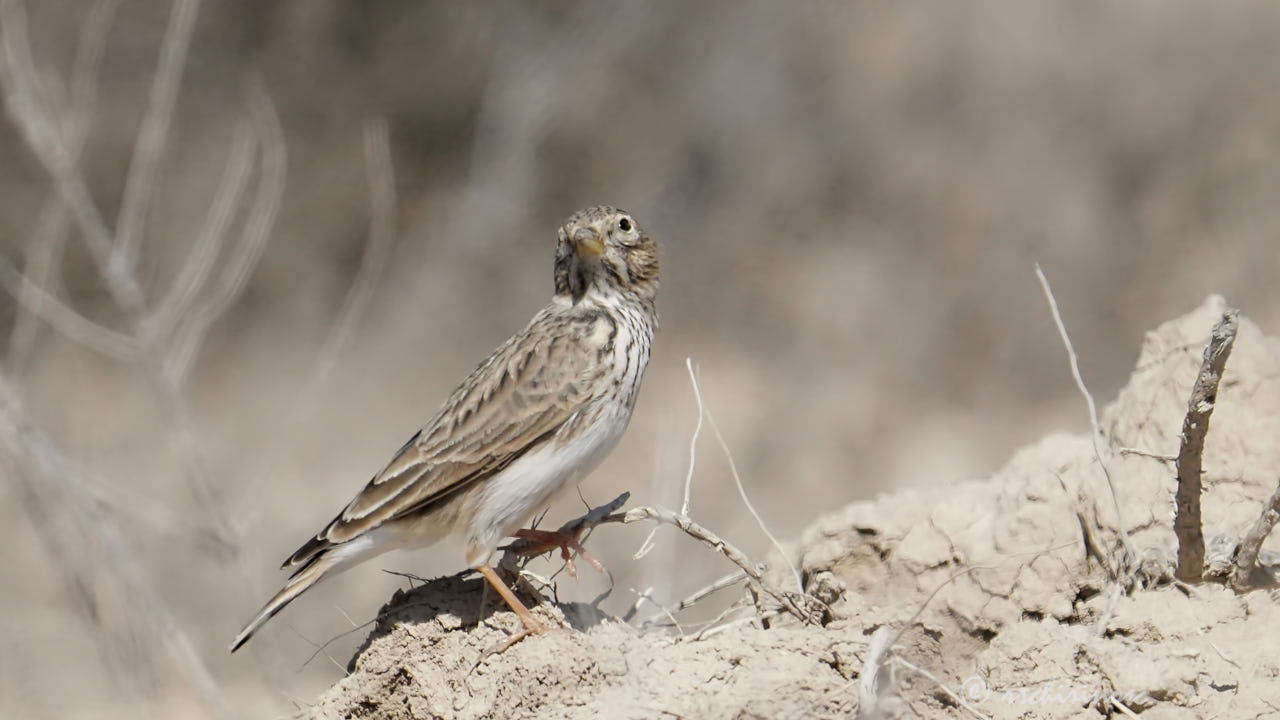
[541, 541]
[531, 624]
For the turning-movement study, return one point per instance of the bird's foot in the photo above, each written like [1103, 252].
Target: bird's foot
[532, 626]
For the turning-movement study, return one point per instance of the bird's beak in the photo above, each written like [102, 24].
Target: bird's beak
[588, 242]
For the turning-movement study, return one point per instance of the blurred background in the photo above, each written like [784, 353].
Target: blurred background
[247, 248]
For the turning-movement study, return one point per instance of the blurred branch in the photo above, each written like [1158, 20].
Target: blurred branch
[382, 235]
[203, 257]
[43, 254]
[80, 518]
[151, 138]
[38, 123]
[91, 47]
[163, 359]
[244, 257]
[45, 249]
[75, 326]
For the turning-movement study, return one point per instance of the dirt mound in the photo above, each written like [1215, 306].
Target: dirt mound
[984, 599]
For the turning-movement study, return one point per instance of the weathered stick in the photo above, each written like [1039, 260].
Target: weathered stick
[1204, 395]
[1247, 555]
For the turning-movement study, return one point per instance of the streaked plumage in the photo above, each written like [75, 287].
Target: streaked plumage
[533, 419]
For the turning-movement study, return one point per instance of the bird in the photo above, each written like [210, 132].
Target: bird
[532, 420]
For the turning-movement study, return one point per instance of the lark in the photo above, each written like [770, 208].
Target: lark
[530, 421]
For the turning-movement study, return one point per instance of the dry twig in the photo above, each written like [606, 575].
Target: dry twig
[796, 604]
[1247, 554]
[693, 439]
[702, 593]
[1147, 454]
[1204, 395]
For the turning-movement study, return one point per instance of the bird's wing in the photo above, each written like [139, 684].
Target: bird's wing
[514, 402]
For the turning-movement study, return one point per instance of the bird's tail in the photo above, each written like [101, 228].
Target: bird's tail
[308, 575]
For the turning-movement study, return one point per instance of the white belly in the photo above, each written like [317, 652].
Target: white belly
[529, 484]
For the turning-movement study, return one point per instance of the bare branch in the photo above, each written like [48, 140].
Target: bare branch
[793, 603]
[714, 586]
[1204, 395]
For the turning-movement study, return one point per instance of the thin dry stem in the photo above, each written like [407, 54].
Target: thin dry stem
[647, 596]
[1096, 430]
[693, 440]
[742, 493]
[705, 591]
[1147, 454]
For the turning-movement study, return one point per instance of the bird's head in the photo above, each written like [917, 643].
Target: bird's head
[606, 249]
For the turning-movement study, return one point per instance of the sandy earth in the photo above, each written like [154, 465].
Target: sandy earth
[990, 604]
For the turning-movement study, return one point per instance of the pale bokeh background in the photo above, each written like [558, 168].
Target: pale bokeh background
[851, 198]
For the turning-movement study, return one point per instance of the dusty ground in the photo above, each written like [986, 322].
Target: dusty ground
[986, 589]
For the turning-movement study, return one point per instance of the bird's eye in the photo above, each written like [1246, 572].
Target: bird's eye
[625, 224]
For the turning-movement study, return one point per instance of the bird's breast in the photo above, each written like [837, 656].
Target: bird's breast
[529, 484]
